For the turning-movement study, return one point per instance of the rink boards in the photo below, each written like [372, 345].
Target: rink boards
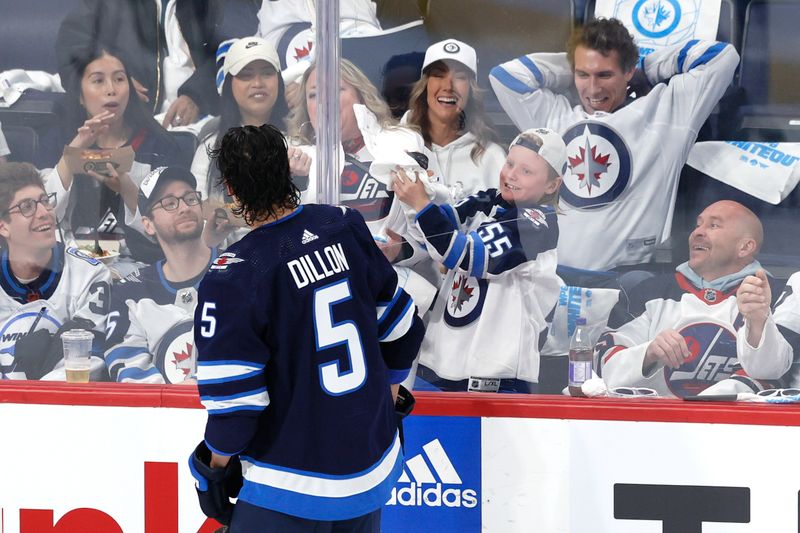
[109, 458]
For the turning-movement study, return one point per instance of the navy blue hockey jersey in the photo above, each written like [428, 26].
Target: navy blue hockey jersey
[300, 329]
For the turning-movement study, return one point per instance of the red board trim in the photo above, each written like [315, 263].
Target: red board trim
[430, 404]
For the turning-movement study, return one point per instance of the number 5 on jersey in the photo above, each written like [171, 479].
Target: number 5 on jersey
[329, 335]
[208, 323]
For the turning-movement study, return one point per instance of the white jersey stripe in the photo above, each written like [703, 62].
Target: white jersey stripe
[328, 486]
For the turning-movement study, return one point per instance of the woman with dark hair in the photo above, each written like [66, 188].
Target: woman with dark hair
[101, 111]
[447, 106]
[251, 94]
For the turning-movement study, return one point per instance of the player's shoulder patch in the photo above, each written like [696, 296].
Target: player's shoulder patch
[133, 277]
[535, 216]
[224, 261]
[75, 252]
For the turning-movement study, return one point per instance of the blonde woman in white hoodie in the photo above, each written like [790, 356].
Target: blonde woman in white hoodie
[447, 107]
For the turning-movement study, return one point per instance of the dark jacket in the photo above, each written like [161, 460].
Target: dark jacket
[132, 29]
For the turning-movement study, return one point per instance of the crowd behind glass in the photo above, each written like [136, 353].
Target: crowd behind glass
[516, 200]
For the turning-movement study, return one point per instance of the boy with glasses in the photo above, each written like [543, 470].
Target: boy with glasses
[46, 289]
[150, 334]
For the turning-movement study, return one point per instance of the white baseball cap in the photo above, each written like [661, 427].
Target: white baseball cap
[247, 50]
[453, 50]
[553, 150]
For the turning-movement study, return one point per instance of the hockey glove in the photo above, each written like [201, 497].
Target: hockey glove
[402, 408]
[215, 486]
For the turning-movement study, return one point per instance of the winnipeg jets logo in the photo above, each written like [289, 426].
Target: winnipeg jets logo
[183, 360]
[656, 18]
[599, 164]
[535, 216]
[461, 292]
[713, 358]
[225, 260]
[589, 166]
[465, 300]
[175, 354]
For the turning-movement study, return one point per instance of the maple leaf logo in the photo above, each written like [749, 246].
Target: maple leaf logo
[300, 53]
[656, 14]
[182, 360]
[589, 165]
[461, 293]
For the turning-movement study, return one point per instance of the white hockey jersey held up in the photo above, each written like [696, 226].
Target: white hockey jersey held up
[618, 193]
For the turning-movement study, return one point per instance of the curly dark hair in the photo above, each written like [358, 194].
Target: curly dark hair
[605, 36]
[253, 163]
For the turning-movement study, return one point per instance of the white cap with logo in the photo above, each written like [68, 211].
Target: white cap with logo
[553, 150]
[453, 50]
[247, 50]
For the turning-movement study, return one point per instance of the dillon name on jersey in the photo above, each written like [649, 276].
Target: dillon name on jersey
[294, 332]
[150, 336]
[72, 286]
[710, 322]
[491, 314]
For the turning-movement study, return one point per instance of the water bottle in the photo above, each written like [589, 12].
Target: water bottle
[581, 351]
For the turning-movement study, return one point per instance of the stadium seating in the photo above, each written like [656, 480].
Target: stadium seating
[769, 71]
[23, 142]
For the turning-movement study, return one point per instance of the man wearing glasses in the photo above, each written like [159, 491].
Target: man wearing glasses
[708, 327]
[150, 333]
[46, 288]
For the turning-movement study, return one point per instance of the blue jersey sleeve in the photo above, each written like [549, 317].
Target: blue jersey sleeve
[232, 355]
[399, 333]
[498, 245]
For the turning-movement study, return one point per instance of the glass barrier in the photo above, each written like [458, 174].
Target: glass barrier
[596, 193]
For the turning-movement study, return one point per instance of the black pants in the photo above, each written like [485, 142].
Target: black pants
[249, 518]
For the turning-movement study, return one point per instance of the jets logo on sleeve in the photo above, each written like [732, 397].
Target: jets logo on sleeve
[225, 260]
[599, 165]
[535, 216]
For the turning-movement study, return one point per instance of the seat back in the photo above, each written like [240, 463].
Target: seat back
[770, 64]
[23, 142]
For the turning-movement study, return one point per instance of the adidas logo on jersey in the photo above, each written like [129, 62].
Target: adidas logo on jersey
[425, 490]
[308, 237]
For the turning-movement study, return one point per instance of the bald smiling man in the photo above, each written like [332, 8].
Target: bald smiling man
[707, 328]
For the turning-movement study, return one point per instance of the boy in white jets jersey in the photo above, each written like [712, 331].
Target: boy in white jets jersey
[499, 247]
[46, 289]
[708, 327]
[150, 335]
[624, 155]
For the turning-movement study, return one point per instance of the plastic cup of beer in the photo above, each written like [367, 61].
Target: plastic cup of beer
[77, 354]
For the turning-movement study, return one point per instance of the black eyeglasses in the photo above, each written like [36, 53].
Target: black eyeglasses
[27, 207]
[171, 203]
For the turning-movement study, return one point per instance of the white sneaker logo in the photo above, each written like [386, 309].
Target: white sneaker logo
[433, 496]
[308, 237]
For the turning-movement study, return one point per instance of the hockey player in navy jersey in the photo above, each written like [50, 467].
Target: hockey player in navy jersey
[708, 328]
[625, 155]
[47, 288]
[301, 333]
[150, 333]
[499, 248]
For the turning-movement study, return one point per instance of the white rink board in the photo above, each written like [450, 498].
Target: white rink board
[536, 474]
